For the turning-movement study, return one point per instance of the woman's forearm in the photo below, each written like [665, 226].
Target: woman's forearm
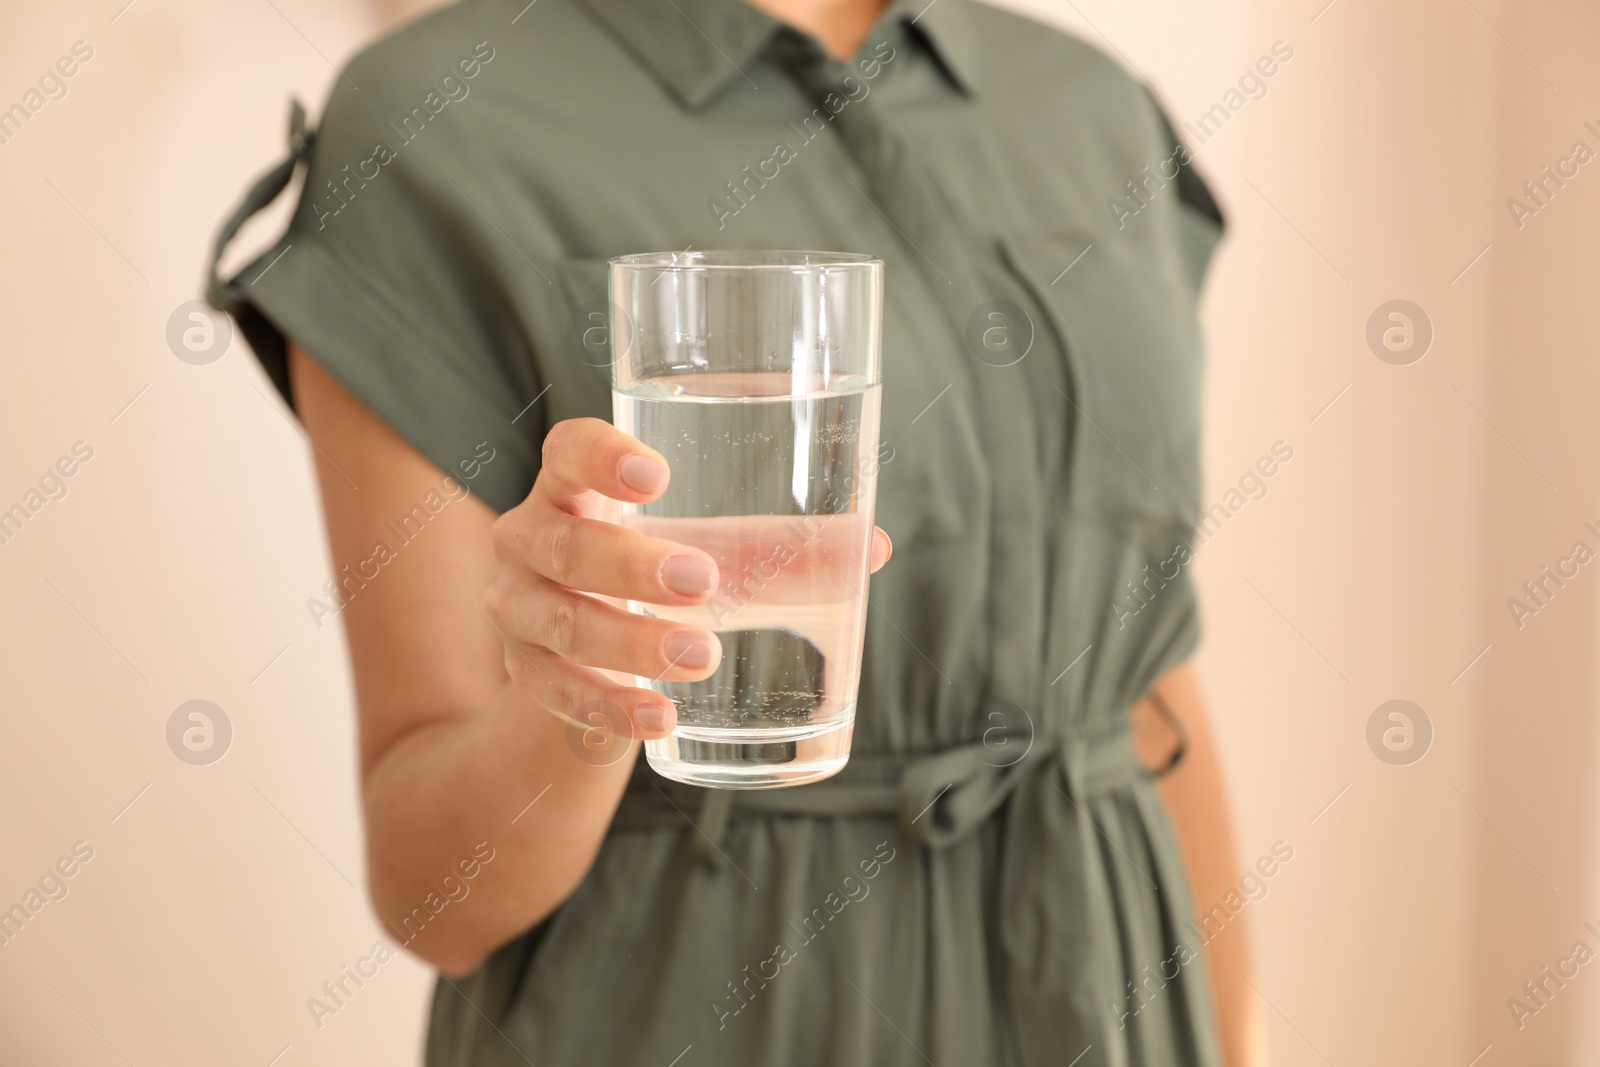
[479, 827]
[1197, 800]
[481, 814]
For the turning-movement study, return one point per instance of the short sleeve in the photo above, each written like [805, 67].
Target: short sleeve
[1201, 224]
[392, 276]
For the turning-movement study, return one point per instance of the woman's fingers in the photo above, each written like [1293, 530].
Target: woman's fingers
[882, 548]
[588, 698]
[587, 455]
[536, 613]
[602, 557]
[560, 558]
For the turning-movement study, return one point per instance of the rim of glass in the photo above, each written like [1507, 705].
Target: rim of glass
[770, 259]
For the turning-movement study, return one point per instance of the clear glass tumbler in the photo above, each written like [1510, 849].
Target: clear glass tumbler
[756, 374]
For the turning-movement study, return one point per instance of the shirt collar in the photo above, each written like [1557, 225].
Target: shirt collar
[696, 47]
[945, 26]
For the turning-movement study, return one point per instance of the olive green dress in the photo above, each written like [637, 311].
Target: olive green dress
[992, 878]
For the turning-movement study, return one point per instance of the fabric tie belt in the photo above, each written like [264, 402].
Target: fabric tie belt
[937, 798]
[1056, 920]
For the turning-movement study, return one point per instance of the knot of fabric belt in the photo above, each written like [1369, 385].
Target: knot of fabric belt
[937, 798]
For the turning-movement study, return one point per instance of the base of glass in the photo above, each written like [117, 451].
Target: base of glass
[752, 759]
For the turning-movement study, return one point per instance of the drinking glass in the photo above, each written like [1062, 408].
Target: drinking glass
[756, 374]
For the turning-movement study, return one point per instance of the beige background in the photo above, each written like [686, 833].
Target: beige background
[1419, 498]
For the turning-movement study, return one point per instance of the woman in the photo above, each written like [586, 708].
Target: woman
[992, 878]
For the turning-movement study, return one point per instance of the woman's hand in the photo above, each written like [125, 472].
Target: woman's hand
[454, 752]
[564, 565]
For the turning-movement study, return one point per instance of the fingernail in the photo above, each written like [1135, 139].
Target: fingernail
[654, 717]
[689, 650]
[689, 575]
[643, 474]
